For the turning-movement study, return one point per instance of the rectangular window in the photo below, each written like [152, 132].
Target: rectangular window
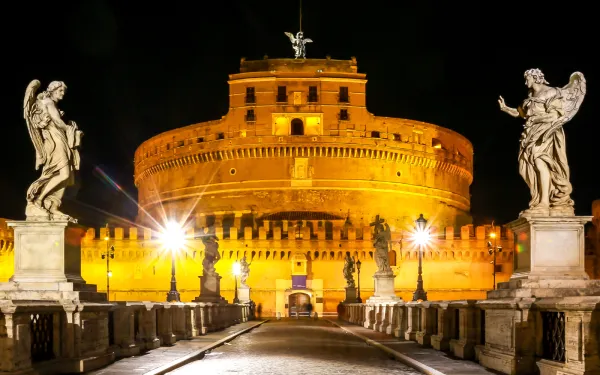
[221, 136]
[250, 97]
[281, 94]
[344, 95]
[250, 117]
[344, 115]
[312, 94]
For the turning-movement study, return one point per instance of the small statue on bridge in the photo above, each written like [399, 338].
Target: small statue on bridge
[349, 270]
[211, 253]
[244, 271]
[381, 241]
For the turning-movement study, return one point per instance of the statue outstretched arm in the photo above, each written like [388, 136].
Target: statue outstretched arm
[504, 108]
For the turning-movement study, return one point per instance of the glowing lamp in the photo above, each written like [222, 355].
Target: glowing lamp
[106, 238]
[421, 223]
[493, 235]
[237, 270]
[358, 263]
[421, 235]
[109, 274]
[173, 237]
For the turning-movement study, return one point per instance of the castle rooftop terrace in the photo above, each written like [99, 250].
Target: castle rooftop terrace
[299, 65]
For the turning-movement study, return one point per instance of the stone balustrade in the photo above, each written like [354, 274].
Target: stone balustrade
[42, 336]
[556, 335]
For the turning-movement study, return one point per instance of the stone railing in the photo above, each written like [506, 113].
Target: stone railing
[42, 336]
[559, 335]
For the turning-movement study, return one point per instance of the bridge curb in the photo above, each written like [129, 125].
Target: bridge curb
[193, 356]
[397, 355]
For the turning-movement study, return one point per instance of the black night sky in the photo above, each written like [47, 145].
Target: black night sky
[134, 69]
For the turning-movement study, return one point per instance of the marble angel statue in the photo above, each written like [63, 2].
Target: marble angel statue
[56, 146]
[299, 43]
[542, 156]
[244, 271]
[211, 253]
[381, 243]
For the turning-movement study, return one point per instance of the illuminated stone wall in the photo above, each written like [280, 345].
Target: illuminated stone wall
[456, 266]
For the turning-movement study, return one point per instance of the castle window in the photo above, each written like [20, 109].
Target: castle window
[199, 140]
[281, 94]
[297, 127]
[221, 136]
[312, 94]
[435, 143]
[168, 146]
[179, 144]
[344, 95]
[375, 134]
[250, 97]
[344, 115]
[397, 137]
[250, 116]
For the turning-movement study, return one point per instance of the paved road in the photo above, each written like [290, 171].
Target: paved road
[296, 347]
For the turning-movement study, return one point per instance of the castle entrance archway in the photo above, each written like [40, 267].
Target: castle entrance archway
[297, 127]
[298, 302]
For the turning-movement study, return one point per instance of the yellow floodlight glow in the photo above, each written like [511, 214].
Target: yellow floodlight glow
[173, 237]
[237, 269]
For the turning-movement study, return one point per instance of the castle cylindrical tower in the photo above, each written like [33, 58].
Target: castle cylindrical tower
[299, 142]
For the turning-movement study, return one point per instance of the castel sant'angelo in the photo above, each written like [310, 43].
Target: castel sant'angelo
[292, 176]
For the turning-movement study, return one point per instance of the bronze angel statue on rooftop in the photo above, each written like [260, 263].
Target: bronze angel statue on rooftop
[299, 43]
[56, 146]
[542, 156]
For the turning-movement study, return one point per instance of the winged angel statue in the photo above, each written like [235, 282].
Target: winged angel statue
[542, 156]
[56, 151]
[299, 43]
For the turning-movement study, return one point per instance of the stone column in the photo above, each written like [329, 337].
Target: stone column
[413, 322]
[165, 324]
[464, 346]
[440, 340]
[15, 340]
[148, 334]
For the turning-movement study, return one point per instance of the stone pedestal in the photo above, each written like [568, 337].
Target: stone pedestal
[210, 289]
[351, 295]
[384, 289]
[548, 281]
[244, 294]
[48, 263]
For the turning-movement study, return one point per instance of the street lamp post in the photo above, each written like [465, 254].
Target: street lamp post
[173, 295]
[173, 239]
[236, 273]
[494, 249]
[422, 237]
[358, 278]
[108, 255]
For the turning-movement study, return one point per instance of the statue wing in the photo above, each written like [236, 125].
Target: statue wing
[572, 97]
[307, 40]
[34, 133]
[291, 36]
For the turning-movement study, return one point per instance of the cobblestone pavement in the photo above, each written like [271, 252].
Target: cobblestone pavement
[296, 347]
